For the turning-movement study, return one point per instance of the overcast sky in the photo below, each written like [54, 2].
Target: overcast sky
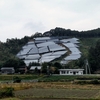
[19, 18]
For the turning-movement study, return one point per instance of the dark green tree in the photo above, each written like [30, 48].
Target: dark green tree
[94, 57]
[14, 62]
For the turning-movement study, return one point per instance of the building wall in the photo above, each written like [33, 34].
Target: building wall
[70, 72]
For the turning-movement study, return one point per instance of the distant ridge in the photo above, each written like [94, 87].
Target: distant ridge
[72, 33]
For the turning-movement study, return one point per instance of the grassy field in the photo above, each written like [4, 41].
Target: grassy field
[45, 78]
[53, 87]
[58, 93]
[54, 90]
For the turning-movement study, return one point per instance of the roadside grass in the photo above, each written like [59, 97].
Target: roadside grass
[10, 99]
[23, 77]
[49, 85]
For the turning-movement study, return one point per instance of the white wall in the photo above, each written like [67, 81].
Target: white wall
[66, 72]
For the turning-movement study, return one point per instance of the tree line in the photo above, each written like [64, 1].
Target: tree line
[72, 33]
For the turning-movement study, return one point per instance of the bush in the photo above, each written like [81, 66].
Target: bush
[95, 81]
[6, 92]
[16, 80]
[81, 82]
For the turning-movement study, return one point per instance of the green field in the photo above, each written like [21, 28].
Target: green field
[52, 78]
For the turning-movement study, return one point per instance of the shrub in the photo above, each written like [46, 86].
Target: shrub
[6, 92]
[95, 81]
[16, 80]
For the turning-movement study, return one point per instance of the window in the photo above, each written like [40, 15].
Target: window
[63, 72]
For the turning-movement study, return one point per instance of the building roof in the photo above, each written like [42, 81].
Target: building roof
[71, 69]
[33, 67]
[7, 68]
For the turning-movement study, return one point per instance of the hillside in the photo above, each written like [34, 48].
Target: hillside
[11, 47]
[86, 43]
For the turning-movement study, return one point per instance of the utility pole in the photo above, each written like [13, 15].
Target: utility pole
[48, 70]
[88, 71]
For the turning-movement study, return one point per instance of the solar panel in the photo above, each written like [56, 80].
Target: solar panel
[69, 45]
[33, 51]
[73, 57]
[47, 54]
[21, 56]
[27, 62]
[31, 57]
[76, 45]
[48, 58]
[45, 44]
[72, 40]
[56, 47]
[24, 51]
[43, 50]
[59, 53]
[75, 38]
[54, 40]
[42, 38]
[64, 40]
[40, 41]
[31, 42]
[74, 50]
[29, 46]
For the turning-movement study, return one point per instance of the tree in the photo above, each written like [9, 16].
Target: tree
[14, 62]
[57, 65]
[94, 57]
[44, 67]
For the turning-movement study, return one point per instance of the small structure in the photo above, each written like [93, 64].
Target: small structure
[35, 68]
[7, 70]
[71, 71]
[22, 70]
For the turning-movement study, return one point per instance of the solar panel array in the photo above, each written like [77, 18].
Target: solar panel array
[46, 49]
[72, 45]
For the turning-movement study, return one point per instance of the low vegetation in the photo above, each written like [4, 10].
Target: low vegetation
[6, 92]
[56, 87]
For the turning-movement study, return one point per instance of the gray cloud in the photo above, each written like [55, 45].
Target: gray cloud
[25, 17]
[35, 27]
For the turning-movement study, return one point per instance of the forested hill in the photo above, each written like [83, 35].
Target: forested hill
[12, 46]
[73, 33]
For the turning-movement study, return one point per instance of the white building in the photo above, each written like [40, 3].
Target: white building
[71, 71]
[7, 70]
